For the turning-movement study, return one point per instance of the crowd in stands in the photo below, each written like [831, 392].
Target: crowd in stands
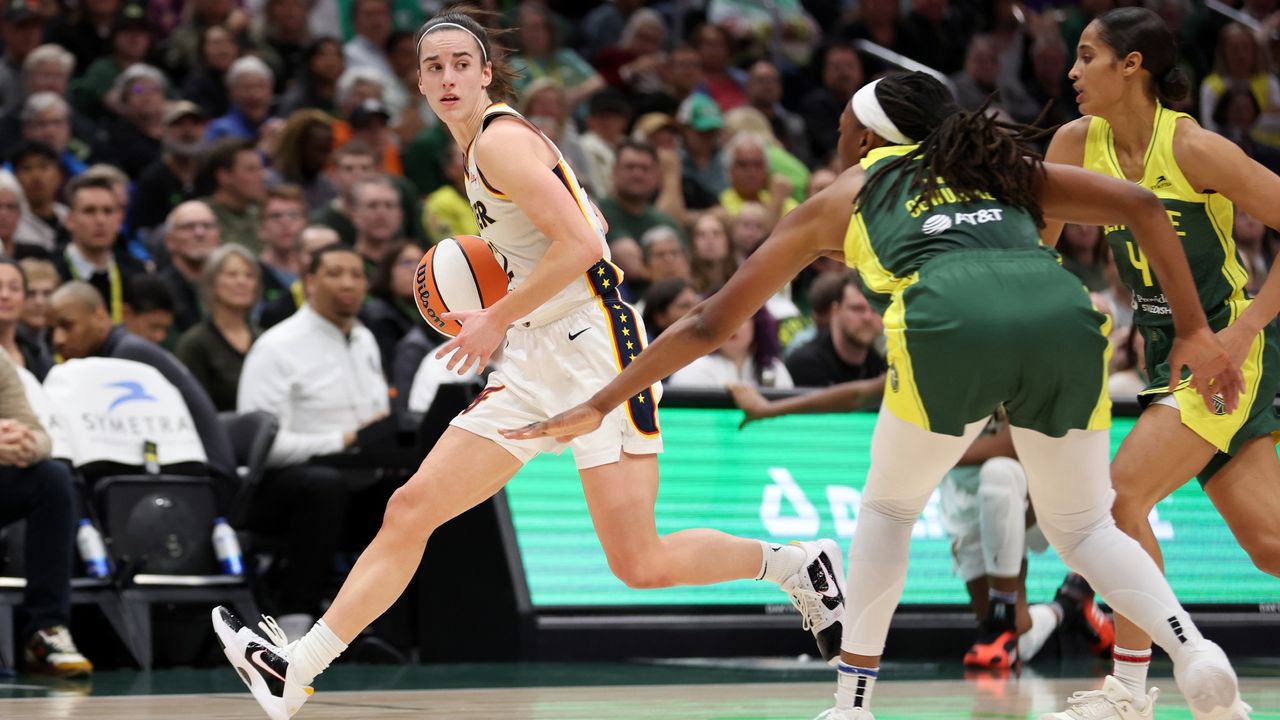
[237, 193]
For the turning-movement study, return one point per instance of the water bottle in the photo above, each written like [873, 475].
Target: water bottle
[227, 548]
[92, 550]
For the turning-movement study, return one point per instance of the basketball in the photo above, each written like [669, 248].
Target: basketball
[458, 273]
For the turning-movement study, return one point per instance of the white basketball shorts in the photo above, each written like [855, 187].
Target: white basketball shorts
[552, 367]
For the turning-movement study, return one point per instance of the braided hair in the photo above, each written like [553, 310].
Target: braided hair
[971, 153]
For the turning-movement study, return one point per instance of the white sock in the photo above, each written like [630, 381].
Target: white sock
[1045, 618]
[312, 654]
[854, 685]
[779, 562]
[1131, 669]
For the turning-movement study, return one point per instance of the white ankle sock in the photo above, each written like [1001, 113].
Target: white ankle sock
[854, 686]
[313, 653]
[1044, 620]
[779, 562]
[1131, 669]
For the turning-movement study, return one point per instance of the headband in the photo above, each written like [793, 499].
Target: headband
[867, 109]
[475, 37]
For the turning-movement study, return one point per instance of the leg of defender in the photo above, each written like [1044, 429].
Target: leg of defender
[1070, 489]
[907, 463]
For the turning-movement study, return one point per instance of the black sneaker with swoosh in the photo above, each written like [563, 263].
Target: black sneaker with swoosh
[262, 663]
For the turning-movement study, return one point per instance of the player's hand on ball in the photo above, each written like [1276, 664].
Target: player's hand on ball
[481, 335]
[1214, 373]
[574, 422]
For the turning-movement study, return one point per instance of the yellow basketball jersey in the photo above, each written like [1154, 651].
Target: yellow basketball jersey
[1203, 220]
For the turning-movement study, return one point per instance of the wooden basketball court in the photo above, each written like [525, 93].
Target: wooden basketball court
[1023, 697]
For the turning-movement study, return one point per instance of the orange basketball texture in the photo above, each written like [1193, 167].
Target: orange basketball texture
[458, 273]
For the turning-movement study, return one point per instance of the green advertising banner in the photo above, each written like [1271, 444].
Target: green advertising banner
[800, 478]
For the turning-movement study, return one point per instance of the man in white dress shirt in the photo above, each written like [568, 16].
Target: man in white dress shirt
[319, 372]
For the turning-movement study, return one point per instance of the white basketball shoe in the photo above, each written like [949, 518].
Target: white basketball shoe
[1207, 681]
[817, 591]
[848, 714]
[1112, 702]
[263, 664]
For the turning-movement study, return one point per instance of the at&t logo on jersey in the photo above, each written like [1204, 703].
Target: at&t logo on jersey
[936, 224]
[941, 223]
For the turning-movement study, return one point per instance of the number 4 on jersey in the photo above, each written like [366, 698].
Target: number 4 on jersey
[1139, 262]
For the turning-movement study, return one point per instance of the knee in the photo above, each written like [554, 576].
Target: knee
[1265, 555]
[639, 571]
[54, 479]
[1003, 483]
[409, 514]
[896, 511]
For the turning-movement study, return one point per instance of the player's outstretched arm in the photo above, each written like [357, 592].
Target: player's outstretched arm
[816, 227]
[844, 397]
[1071, 194]
[1215, 163]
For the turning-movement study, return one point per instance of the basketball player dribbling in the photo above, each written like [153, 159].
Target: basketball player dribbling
[567, 333]
[1125, 74]
[940, 212]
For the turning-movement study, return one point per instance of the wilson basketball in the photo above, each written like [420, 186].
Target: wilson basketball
[458, 273]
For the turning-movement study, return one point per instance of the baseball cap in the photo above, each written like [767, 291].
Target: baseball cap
[366, 111]
[182, 109]
[20, 10]
[131, 15]
[650, 123]
[700, 113]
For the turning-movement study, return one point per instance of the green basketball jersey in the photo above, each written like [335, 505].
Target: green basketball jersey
[888, 242]
[1202, 220]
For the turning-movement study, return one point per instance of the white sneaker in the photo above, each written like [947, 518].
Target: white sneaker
[849, 714]
[1209, 684]
[263, 664]
[1113, 701]
[817, 591]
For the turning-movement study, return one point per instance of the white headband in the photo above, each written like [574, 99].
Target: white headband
[867, 109]
[459, 27]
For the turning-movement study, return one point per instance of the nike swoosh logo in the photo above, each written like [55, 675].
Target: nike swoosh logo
[257, 660]
[832, 590]
[574, 336]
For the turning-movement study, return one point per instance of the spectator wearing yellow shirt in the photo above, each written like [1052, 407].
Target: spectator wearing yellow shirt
[748, 170]
[446, 212]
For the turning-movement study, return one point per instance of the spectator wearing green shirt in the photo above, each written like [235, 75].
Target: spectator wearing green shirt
[130, 43]
[542, 55]
[239, 182]
[629, 210]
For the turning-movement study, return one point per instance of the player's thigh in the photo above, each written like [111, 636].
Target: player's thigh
[1246, 492]
[908, 462]
[461, 471]
[620, 497]
[1158, 456]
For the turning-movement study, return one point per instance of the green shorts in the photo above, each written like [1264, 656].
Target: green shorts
[974, 329]
[1256, 415]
